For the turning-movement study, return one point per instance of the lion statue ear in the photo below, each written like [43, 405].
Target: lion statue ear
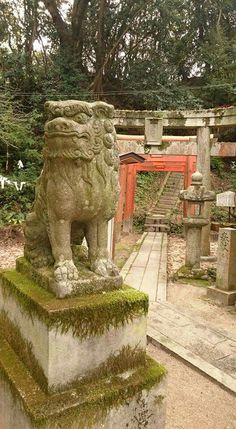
[102, 110]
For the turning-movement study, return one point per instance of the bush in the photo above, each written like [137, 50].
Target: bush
[16, 204]
[217, 165]
[17, 142]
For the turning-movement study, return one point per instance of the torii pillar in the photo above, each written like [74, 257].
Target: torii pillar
[204, 167]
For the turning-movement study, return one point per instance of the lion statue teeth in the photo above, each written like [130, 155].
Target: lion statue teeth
[77, 191]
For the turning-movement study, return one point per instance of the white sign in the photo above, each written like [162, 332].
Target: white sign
[225, 199]
[4, 181]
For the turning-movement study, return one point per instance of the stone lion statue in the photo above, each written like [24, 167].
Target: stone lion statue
[77, 191]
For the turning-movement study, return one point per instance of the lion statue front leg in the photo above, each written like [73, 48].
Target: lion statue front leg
[65, 271]
[96, 237]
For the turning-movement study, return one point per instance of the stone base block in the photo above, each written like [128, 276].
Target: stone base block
[133, 400]
[222, 296]
[88, 282]
[64, 340]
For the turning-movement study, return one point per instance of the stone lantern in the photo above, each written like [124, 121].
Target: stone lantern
[195, 195]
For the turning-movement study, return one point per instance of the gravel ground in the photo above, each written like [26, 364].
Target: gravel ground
[193, 400]
[11, 246]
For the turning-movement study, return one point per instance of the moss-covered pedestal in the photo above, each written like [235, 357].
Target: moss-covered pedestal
[78, 362]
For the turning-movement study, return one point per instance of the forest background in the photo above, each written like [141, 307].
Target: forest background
[136, 54]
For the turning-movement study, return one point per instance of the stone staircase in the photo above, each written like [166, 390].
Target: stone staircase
[158, 218]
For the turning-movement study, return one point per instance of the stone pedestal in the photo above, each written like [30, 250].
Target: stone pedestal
[225, 290]
[193, 228]
[77, 362]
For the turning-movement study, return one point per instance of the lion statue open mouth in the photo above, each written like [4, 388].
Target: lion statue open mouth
[77, 192]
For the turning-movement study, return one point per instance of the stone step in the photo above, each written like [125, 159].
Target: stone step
[170, 192]
[166, 203]
[167, 200]
[161, 211]
[156, 220]
[165, 206]
[172, 189]
[174, 186]
[154, 215]
[156, 228]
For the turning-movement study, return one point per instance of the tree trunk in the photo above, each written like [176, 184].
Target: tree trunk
[106, 59]
[30, 23]
[100, 49]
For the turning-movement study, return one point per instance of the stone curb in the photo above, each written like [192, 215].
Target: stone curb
[216, 374]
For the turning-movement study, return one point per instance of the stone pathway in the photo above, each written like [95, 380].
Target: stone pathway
[146, 269]
[211, 351]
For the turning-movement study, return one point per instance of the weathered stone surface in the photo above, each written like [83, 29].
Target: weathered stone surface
[218, 117]
[87, 283]
[222, 296]
[135, 400]
[153, 131]
[225, 289]
[72, 338]
[196, 195]
[174, 145]
[77, 192]
[226, 261]
[210, 350]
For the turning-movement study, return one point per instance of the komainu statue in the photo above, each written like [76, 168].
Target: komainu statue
[77, 191]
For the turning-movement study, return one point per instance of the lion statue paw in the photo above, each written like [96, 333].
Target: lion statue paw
[104, 267]
[65, 273]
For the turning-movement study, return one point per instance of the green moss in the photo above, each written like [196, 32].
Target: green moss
[159, 399]
[184, 270]
[83, 405]
[190, 272]
[195, 276]
[88, 315]
[157, 115]
[176, 119]
[139, 243]
[13, 371]
[126, 360]
[88, 283]
[22, 348]
[196, 282]
[164, 146]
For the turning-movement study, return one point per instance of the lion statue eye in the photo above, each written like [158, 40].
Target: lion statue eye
[81, 118]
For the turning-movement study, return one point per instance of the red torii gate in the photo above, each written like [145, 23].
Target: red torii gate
[185, 164]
